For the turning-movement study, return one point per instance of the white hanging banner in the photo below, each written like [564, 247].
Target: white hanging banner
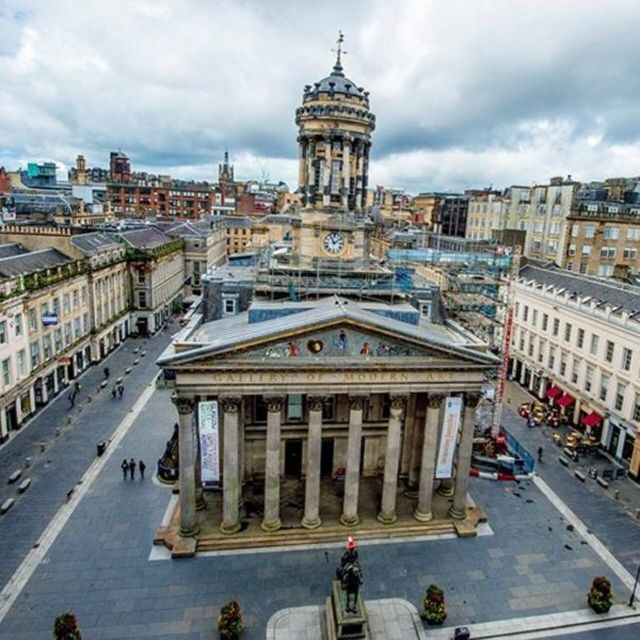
[209, 441]
[450, 427]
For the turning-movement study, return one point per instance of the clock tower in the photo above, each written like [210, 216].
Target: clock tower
[334, 140]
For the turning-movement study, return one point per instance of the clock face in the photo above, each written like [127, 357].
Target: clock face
[334, 242]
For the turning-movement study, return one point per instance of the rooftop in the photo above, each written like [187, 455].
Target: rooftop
[147, 238]
[621, 296]
[90, 243]
[33, 261]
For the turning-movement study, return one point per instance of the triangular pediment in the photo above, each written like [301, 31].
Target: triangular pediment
[341, 340]
[325, 336]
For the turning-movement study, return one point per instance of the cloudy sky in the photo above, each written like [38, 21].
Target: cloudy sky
[467, 93]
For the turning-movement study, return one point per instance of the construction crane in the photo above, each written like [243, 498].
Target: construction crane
[506, 341]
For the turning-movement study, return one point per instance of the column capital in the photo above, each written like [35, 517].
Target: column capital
[357, 402]
[184, 404]
[435, 400]
[231, 404]
[398, 402]
[472, 398]
[274, 403]
[315, 403]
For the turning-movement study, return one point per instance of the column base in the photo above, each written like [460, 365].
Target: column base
[188, 532]
[231, 528]
[422, 517]
[271, 526]
[411, 492]
[349, 521]
[446, 491]
[458, 514]
[387, 519]
[311, 523]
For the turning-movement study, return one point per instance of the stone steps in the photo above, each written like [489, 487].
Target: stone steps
[328, 533]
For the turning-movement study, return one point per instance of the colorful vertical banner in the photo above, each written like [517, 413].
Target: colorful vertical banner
[450, 427]
[209, 442]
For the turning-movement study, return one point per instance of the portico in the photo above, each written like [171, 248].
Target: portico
[345, 400]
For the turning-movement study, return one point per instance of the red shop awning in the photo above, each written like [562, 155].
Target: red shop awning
[566, 400]
[591, 420]
[553, 391]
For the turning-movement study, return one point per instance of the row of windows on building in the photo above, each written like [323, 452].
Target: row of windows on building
[626, 355]
[572, 374]
[43, 349]
[609, 233]
[628, 253]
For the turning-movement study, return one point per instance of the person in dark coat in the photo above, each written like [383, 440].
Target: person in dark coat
[121, 390]
[125, 468]
[106, 372]
[540, 451]
[132, 468]
[141, 466]
[114, 392]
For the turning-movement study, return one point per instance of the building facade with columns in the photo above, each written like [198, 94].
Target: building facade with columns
[576, 344]
[315, 394]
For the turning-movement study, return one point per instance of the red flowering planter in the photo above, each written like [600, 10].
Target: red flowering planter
[230, 623]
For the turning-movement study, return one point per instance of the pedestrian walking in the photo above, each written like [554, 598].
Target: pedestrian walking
[540, 451]
[114, 391]
[132, 468]
[125, 468]
[141, 466]
[121, 390]
[72, 399]
[106, 372]
[77, 387]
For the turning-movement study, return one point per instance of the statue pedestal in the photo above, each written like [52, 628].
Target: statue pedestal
[337, 624]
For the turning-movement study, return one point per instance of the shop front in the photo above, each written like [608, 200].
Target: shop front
[621, 437]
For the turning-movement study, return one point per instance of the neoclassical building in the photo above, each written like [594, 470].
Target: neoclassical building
[309, 414]
[321, 391]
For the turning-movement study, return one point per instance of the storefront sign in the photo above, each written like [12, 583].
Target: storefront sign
[450, 427]
[209, 442]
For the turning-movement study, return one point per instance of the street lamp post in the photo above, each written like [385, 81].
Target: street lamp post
[635, 584]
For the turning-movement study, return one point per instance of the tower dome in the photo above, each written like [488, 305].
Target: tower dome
[334, 138]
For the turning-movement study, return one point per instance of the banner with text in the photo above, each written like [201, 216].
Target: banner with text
[209, 441]
[450, 427]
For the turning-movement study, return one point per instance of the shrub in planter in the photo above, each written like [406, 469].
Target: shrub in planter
[230, 621]
[599, 596]
[66, 628]
[433, 608]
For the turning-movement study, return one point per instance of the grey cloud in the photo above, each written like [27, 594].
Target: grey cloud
[460, 89]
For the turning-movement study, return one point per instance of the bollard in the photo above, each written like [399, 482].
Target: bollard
[27, 463]
[616, 494]
[42, 446]
[58, 428]
[637, 514]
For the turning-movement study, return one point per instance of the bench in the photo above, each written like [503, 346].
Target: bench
[15, 476]
[563, 461]
[580, 475]
[6, 505]
[603, 483]
[24, 485]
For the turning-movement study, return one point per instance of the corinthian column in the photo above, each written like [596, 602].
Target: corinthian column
[428, 459]
[349, 516]
[311, 519]
[230, 476]
[387, 513]
[186, 449]
[459, 506]
[271, 520]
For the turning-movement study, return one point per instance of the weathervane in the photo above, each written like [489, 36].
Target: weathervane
[339, 50]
